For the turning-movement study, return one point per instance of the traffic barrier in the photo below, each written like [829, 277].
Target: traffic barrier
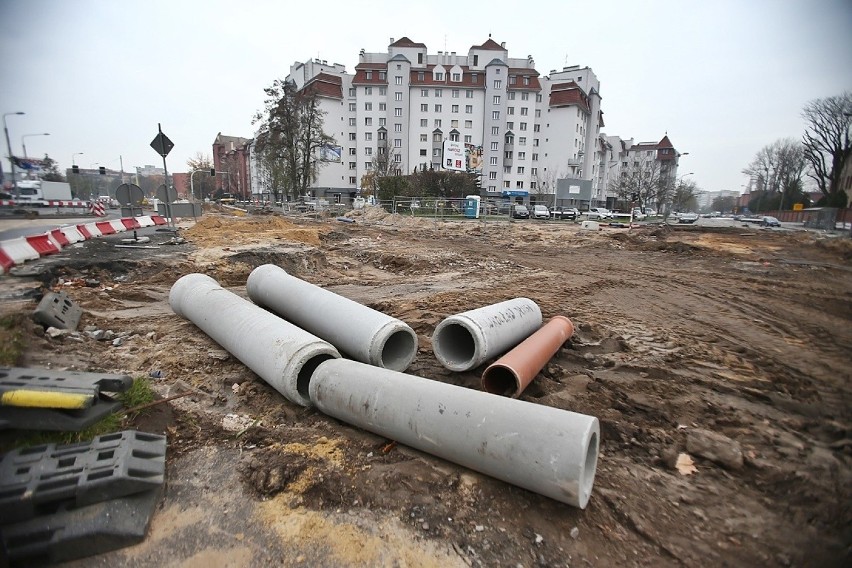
[60, 237]
[6, 262]
[118, 226]
[159, 220]
[84, 231]
[42, 244]
[105, 227]
[7, 202]
[52, 203]
[73, 234]
[130, 223]
[145, 221]
[53, 240]
[97, 209]
[93, 229]
[19, 250]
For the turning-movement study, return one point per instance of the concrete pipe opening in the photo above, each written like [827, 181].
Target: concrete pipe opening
[590, 466]
[303, 379]
[500, 380]
[399, 350]
[454, 345]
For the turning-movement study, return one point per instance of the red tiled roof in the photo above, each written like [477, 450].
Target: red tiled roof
[405, 42]
[361, 74]
[467, 77]
[490, 44]
[665, 143]
[325, 85]
[568, 94]
[522, 73]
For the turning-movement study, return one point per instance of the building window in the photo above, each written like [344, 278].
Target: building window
[424, 92]
[456, 77]
[454, 136]
[468, 109]
[369, 75]
[535, 157]
[351, 122]
[454, 124]
[420, 58]
[519, 184]
[537, 114]
[383, 75]
[397, 111]
[352, 165]
[532, 185]
[397, 96]
[455, 109]
[525, 96]
[526, 82]
[352, 151]
[424, 122]
[368, 106]
[468, 124]
[476, 60]
[533, 171]
[422, 151]
[436, 137]
[439, 76]
[507, 169]
[469, 93]
[498, 70]
[522, 156]
[382, 135]
[437, 123]
[510, 95]
[397, 142]
[525, 111]
[495, 115]
[397, 158]
[498, 84]
[535, 142]
[456, 93]
[437, 151]
[368, 121]
[368, 151]
[495, 130]
[492, 161]
[536, 127]
[510, 110]
[513, 79]
[368, 136]
[439, 93]
[382, 121]
[368, 90]
[424, 137]
[538, 98]
[496, 99]
[495, 145]
[510, 126]
[397, 127]
[397, 80]
[353, 107]
[368, 166]
[420, 75]
[507, 184]
[352, 92]
[383, 91]
[523, 126]
[492, 175]
[468, 139]
[507, 154]
[520, 169]
[352, 136]
[383, 106]
[438, 108]
[424, 108]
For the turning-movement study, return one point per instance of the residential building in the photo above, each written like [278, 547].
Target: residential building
[230, 159]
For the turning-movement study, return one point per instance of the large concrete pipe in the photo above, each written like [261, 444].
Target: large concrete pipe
[546, 450]
[464, 341]
[512, 372]
[282, 354]
[360, 332]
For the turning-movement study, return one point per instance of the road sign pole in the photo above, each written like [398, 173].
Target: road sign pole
[166, 181]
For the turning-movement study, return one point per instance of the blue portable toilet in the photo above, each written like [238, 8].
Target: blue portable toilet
[471, 206]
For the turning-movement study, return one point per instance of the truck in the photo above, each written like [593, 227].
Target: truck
[39, 193]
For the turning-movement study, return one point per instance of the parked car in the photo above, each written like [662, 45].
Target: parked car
[560, 212]
[687, 217]
[638, 215]
[227, 198]
[599, 213]
[540, 212]
[520, 212]
[767, 221]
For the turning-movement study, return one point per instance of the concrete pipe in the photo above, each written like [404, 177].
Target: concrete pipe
[512, 372]
[464, 341]
[282, 354]
[362, 333]
[543, 449]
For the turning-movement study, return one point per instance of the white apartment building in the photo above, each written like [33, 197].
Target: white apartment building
[532, 130]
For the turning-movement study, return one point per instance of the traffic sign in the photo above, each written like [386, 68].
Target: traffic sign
[162, 145]
[129, 194]
[166, 195]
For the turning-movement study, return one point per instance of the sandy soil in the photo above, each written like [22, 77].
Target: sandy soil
[742, 336]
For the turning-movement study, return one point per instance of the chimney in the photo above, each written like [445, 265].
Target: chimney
[391, 40]
[453, 60]
[503, 44]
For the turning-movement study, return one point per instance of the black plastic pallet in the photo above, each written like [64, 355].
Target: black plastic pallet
[56, 419]
[58, 310]
[22, 378]
[71, 533]
[37, 481]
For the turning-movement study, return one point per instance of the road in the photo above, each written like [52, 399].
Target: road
[13, 227]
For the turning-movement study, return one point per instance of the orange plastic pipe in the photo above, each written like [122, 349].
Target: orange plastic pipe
[512, 372]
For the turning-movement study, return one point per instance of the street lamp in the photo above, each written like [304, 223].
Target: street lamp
[9, 148]
[73, 163]
[25, 135]
[192, 186]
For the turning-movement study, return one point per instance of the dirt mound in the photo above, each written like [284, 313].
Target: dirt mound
[226, 231]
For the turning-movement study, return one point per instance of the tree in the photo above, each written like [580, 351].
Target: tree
[827, 144]
[646, 182]
[724, 204]
[50, 170]
[685, 195]
[202, 183]
[290, 136]
[778, 169]
[383, 165]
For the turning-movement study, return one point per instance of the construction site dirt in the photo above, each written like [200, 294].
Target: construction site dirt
[718, 363]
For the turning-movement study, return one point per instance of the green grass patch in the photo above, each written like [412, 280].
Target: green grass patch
[12, 343]
[139, 393]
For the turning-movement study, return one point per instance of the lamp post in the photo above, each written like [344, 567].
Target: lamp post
[192, 186]
[9, 148]
[25, 146]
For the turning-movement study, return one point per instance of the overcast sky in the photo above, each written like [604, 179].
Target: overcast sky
[723, 78]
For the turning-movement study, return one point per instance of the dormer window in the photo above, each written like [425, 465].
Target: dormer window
[369, 75]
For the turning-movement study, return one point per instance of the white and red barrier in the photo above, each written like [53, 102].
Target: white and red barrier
[19, 250]
[97, 209]
[73, 203]
[72, 233]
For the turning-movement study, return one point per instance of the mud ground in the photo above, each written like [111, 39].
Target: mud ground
[741, 337]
